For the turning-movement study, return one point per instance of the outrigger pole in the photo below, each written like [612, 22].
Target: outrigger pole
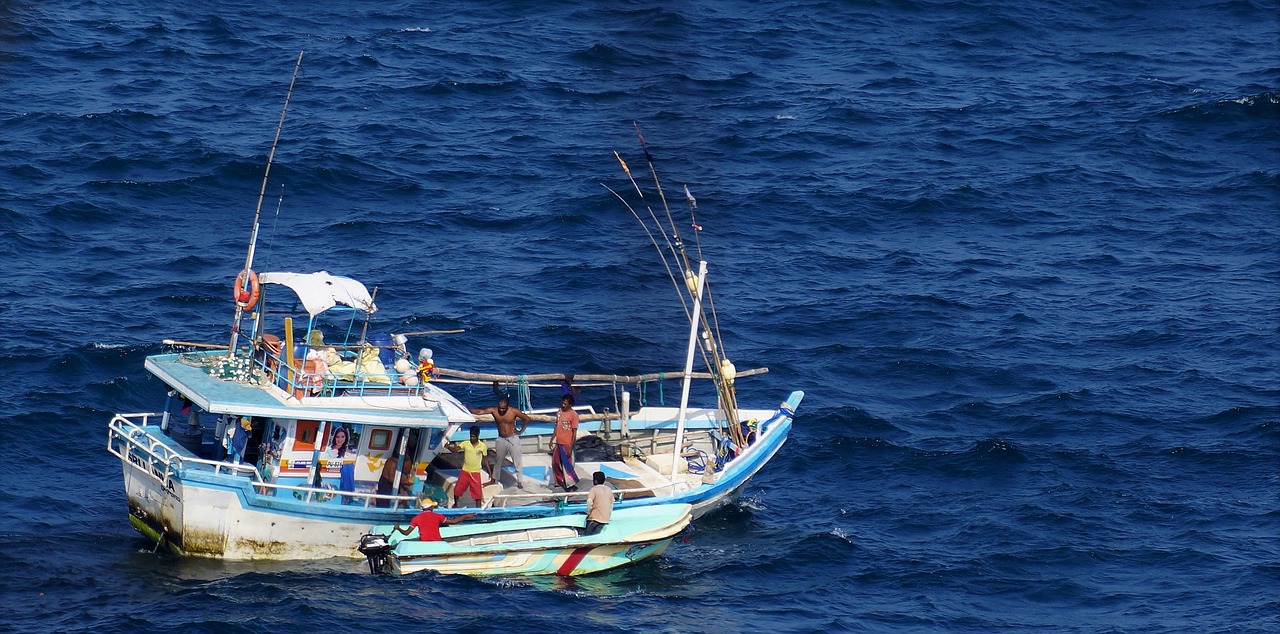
[432, 332]
[247, 277]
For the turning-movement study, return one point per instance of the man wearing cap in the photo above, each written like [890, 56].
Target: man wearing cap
[508, 443]
[428, 522]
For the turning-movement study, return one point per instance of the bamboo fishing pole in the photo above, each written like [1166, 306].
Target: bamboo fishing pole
[662, 197]
[657, 227]
[480, 378]
[711, 346]
[257, 212]
[365, 328]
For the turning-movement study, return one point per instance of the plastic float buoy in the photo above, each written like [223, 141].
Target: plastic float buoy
[728, 371]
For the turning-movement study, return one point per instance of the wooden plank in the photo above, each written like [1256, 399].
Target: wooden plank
[613, 378]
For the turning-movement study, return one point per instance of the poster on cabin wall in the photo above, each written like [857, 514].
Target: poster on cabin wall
[336, 445]
[339, 456]
[342, 443]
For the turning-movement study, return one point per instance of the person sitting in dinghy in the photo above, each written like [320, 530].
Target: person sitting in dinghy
[599, 504]
[428, 522]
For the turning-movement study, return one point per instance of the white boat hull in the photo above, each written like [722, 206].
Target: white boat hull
[204, 522]
[208, 509]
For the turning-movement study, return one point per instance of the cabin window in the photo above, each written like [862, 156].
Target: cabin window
[305, 440]
[380, 440]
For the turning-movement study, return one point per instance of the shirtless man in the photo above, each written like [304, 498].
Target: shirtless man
[508, 443]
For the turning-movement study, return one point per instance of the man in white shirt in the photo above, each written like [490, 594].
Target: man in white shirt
[599, 504]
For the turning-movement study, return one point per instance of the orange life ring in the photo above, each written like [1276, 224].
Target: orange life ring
[247, 298]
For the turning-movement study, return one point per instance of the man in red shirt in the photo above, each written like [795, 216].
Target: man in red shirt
[428, 522]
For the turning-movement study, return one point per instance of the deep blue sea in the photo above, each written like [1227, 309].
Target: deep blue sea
[1023, 257]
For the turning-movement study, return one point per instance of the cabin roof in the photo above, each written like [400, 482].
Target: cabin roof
[433, 408]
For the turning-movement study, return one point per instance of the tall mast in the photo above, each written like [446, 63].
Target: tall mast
[694, 322]
[246, 277]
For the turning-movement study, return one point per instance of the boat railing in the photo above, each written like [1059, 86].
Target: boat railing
[130, 441]
[301, 383]
[501, 500]
[219, 468]
[310, 494]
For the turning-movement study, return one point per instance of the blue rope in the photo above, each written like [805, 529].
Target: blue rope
[662, 377]
[522, 392]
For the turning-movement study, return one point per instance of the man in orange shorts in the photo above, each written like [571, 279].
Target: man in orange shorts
[475, 457]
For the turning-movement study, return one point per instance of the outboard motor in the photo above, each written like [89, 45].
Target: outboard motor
[375, 547]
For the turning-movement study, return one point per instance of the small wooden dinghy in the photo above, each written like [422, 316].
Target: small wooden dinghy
[538, 546]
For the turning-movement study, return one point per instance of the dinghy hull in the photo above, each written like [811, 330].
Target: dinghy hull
[540, 546]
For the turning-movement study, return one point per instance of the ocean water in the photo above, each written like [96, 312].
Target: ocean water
[1022, 257]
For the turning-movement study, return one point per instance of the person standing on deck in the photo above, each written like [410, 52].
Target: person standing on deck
[562, 451]
[508, 442]
[599, 504]
[270, 451]
[475, 456]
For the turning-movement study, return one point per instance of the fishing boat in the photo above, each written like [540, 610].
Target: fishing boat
[312, 423]
[271, 452]
[538, 546]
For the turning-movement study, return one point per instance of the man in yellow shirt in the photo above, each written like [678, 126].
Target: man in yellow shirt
[475, 456]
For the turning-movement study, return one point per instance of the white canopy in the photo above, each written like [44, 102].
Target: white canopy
[320, 291]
